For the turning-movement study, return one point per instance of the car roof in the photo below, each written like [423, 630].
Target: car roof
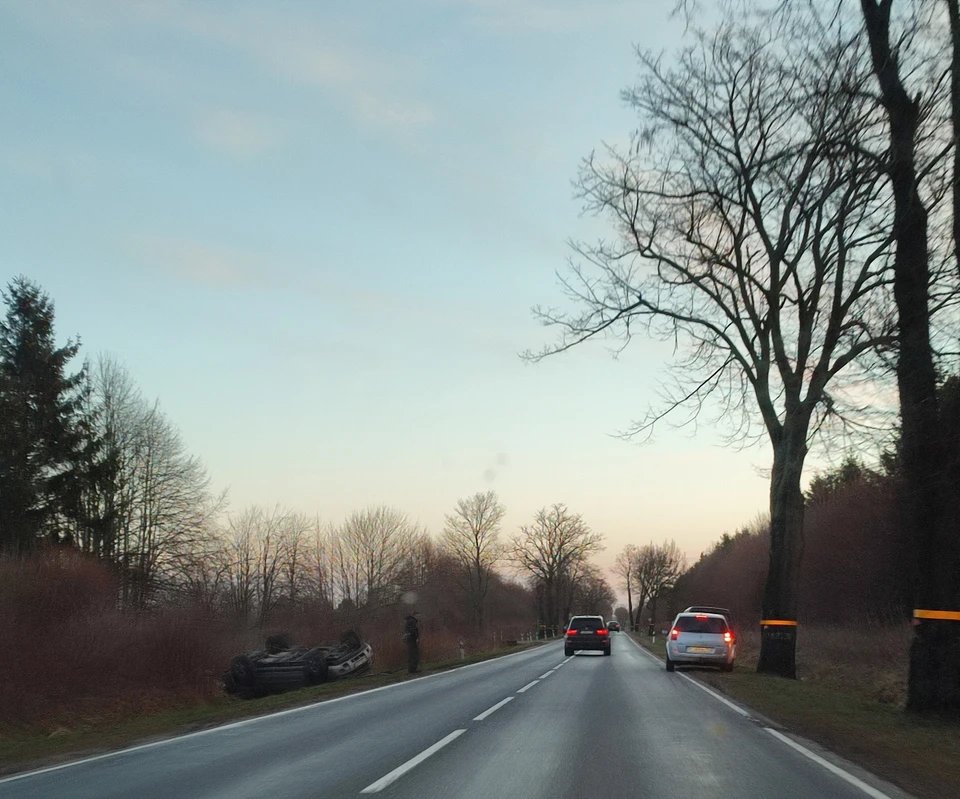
[702, 614]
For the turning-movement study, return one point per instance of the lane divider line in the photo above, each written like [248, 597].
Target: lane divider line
[869, 790]
[413, 762]
[255, 719]
[528, 686]
[544, 676]
[493, 709]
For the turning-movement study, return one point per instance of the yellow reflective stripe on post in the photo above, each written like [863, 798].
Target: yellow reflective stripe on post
[940, 615]
[777, 623]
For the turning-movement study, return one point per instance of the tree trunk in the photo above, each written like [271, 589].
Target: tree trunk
[630, 606]
[953, 13]
[778, 642]
[934, 681]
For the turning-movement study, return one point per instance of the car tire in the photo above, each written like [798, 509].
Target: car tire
[606, 652]
[727, 667]
[315, 667]
[567, 652]
[670, 665]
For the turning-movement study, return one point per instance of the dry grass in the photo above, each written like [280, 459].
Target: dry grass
[72, 662]
[868, 661]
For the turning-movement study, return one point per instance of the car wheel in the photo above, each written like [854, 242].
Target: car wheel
[670, 665]
[314, 667]
[606, 651]
[727, 667]
[567, 652]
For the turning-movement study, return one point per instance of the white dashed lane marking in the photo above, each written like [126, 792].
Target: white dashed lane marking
[413, 762]
[493, 709]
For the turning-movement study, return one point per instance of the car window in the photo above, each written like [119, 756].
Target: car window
[709, 624]
[586, 623]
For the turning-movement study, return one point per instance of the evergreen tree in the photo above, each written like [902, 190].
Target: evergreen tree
[42, 441]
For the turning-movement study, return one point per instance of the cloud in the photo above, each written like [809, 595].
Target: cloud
[238, 135]
[294, 45]
[537, 16]
[62, 167]
[193, 261]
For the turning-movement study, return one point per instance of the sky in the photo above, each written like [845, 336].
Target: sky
[314, 231]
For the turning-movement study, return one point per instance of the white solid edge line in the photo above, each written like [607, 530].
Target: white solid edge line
[493, 709]
[244, 722]
[399, 771]
[869, 790]
[715, 695]
[700, 685]
[528, 686]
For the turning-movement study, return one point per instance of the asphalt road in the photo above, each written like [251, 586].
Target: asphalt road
[533, 724]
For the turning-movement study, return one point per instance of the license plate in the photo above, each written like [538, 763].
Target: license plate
[699, 649]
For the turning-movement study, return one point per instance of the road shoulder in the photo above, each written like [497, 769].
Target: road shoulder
[898, 755]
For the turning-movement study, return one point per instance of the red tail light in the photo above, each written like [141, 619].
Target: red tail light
[674, 633]
[571, 632]
[603, 632]
[728, 637]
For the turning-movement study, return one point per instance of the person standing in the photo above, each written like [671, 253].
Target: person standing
[411, 635]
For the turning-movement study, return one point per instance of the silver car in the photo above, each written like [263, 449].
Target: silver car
[701, 639]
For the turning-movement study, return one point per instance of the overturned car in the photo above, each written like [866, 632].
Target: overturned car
[280, 666]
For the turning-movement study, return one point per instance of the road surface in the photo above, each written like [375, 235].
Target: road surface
[533, 724]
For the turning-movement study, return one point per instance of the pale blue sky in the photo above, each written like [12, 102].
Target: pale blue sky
[314, 231]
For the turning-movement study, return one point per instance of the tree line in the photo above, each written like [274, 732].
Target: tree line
[89, 464]
[787, 213]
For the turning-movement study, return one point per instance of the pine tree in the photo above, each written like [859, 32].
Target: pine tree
[42, 435]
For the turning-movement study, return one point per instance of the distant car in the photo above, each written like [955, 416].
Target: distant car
[701, 639]
[586, 632]
[283, 667]
[613, 625]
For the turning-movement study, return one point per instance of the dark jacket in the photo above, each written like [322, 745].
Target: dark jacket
[411, 629]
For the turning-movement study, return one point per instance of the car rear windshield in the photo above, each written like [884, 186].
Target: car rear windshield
[586, 623]
[709, 624]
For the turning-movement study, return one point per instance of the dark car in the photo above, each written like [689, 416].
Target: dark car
[613, 626]
[280, 666]
[586, 632]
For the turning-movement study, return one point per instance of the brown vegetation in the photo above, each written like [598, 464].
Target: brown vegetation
[74, 659]
[855, 568]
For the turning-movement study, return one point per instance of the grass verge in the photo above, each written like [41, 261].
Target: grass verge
[921, 756]
[31, 748]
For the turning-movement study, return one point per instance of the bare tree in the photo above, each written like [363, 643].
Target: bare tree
[657, 569]
[243, 559]
[746, 235]
[553, 551]
[624, 567]
[157, 499]
[320, 581]
[471, 535]
[295, 569]
[592, 594]
[370, 552]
